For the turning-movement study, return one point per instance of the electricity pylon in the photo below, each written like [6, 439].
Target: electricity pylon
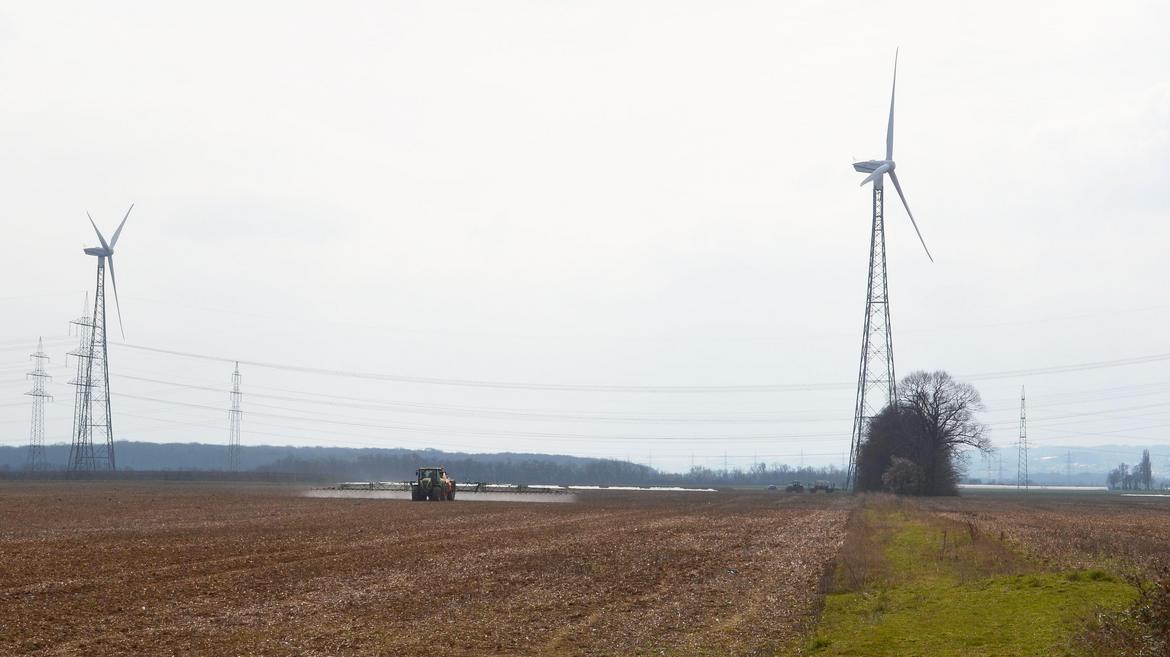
[233, 455]
[36, 435]
[1022, 451]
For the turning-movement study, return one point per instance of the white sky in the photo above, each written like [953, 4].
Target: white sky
[604, 193]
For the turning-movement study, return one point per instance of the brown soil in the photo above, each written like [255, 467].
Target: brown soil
[1071, 530]
[189, 569]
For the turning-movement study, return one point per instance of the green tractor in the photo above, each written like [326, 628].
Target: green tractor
[432, 484]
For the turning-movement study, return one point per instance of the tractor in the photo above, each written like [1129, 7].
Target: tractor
[794, 487]
[432, 484]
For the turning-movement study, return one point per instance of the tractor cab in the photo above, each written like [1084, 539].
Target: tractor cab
[432, 484]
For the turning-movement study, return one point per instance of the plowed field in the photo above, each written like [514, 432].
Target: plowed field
[185, 569]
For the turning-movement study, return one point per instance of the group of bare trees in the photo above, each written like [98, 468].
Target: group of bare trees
[914, 446]
[1139, 477]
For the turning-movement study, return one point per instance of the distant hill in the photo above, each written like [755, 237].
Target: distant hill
[203, 456]
[1050, 464]
[366, 464]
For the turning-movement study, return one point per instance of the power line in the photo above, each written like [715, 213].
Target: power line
[498, 413]
[466, 411]
[316, 416]
[556, 387]
[1060, 369]
[331, 440]
[425, 428]
[507, 385]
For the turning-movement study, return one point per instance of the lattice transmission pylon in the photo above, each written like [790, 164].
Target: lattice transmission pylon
[36, 435]
[234, 417]
[92, 447]
[1022, 446]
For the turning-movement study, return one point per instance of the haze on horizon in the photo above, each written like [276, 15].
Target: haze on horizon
[598, 195]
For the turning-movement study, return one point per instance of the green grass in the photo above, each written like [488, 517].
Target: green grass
[941, 592]
[1014, 615]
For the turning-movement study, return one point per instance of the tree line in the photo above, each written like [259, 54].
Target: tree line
[535, 470]
[333, 464]
[1139, 477]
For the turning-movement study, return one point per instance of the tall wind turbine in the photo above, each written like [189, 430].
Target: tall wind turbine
[876, 385]
[93, 432]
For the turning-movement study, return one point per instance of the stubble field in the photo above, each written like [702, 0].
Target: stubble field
[161, 569]
[1071, 530]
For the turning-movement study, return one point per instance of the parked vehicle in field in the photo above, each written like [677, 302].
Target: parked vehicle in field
[432, 484]
[794, 487]
[771, 486]
[825, 485]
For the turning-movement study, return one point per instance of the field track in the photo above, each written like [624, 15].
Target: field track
[211, 569]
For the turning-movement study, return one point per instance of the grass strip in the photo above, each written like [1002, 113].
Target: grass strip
[940, 591]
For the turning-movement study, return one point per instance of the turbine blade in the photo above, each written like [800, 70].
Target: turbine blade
[876, 173]
[117, 304]
[99, 233]
[897, 186]
[114, 239]
[890, 127]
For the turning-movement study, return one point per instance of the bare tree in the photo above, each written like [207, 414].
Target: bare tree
[1144, 472]
[931, 424]
[1115, 476]
[945, 409]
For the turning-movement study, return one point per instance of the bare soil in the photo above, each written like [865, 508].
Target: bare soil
[1075, 530]
[141, 568]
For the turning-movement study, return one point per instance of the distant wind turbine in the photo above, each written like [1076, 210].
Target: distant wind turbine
[106, 253]
[92, 414]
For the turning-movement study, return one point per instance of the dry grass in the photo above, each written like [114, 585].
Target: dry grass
[1140, 630]
[956, 544]
[117, 569]
[1127, 534]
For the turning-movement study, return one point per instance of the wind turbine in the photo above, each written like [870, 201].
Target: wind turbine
[92, 417]
[106, 253]
[876, 385]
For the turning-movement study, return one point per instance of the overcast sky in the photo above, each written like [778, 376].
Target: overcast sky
[586, 194]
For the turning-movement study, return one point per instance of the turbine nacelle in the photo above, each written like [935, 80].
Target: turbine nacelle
[876, 169]
[869, 166]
